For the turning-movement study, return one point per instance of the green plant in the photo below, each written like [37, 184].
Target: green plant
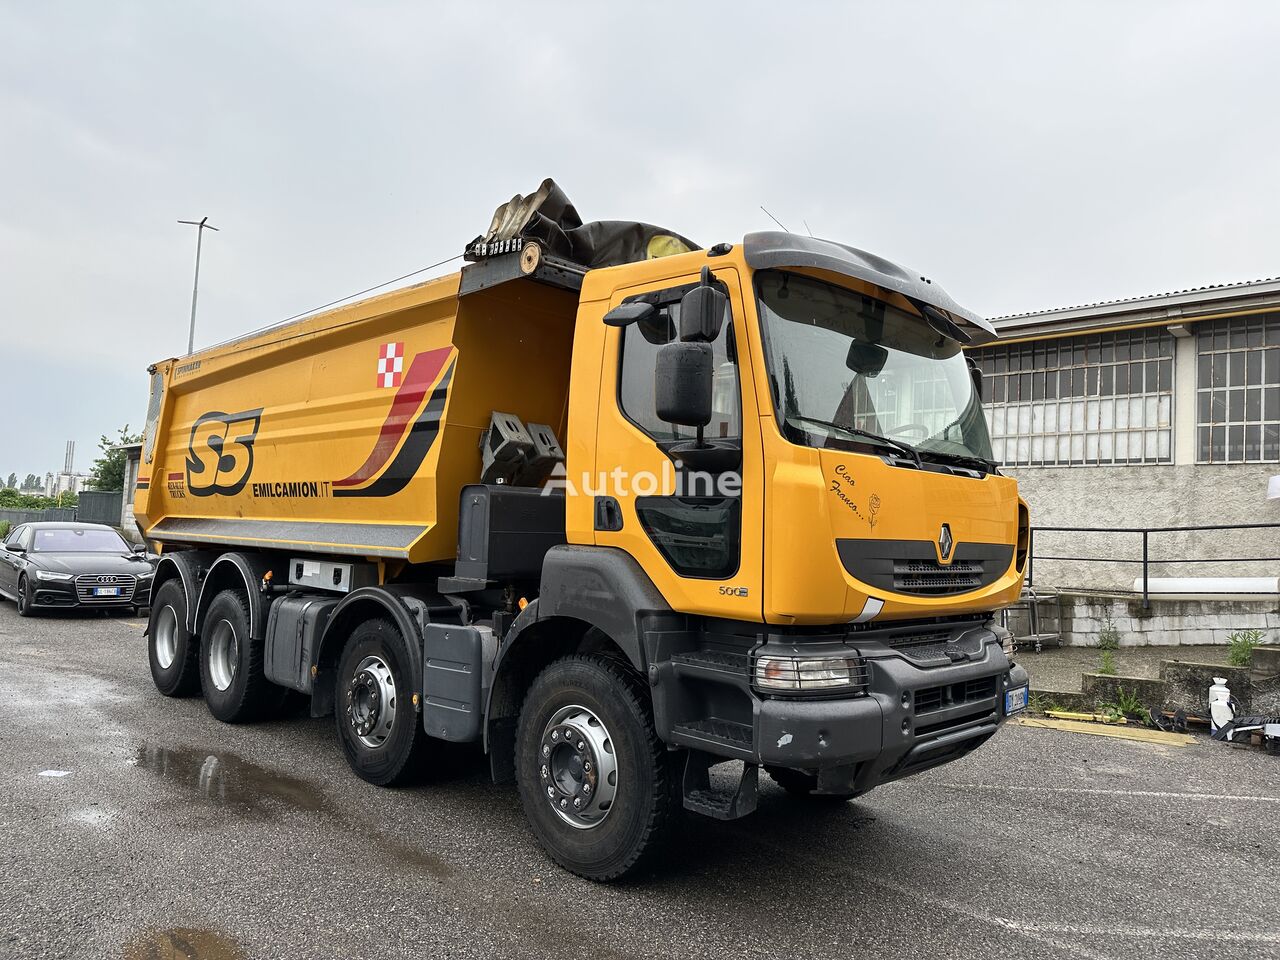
[1108, 636]
[4, 529]
[1127, 702]
[1241, 644]
[1107, 667]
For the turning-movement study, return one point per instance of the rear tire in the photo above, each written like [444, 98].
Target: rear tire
[604, 708]
[378, 725]
[173, 653]
[235, 688]
[26, 604]
[801, 785]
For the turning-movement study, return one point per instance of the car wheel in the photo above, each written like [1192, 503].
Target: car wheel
[235, 687]
[173, 653]
[380, 731]
[599, 788]
[26, 603]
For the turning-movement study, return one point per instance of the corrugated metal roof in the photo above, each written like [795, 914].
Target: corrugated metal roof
[1139, 300]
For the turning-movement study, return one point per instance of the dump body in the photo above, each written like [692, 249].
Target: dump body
[351, 432]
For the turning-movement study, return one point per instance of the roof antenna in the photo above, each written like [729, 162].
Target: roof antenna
[806, 226]
[773, 218]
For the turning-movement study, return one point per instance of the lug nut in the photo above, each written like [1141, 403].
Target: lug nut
[581, 745]
[586, 765]
[577, 801]
[563, 804]
[546, 751]
[551, 793]
[555, 734]
[586, 788]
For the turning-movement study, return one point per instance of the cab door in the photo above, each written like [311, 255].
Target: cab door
[697, 534]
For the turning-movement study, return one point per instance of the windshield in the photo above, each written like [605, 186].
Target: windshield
[84, 540]
[848, 368]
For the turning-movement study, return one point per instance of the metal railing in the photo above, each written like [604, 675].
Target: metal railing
[1146, 562]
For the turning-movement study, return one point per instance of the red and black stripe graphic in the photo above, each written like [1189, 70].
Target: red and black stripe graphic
[392, 477]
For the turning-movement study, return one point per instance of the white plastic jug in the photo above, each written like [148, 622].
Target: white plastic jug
[1220, 712]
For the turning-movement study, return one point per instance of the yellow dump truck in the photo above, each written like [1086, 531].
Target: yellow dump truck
[614, 507]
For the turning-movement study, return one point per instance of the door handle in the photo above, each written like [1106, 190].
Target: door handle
[608, 514]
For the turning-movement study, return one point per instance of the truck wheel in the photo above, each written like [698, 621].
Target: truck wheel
[801, 784]
[174, 654]
[26, 605]
[235, 688]
[599, 788]
[377, 722]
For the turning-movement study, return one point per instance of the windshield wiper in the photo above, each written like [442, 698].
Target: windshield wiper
[962, 459]
[906, 448]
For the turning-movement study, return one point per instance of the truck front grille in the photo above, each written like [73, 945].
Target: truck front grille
[930, 578]
[86, 585]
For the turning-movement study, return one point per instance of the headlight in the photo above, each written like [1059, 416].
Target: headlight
[50, 575]
[811, 674]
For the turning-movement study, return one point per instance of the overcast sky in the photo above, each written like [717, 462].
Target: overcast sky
[1021, 156]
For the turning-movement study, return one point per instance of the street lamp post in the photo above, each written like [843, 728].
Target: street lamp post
[201, 226]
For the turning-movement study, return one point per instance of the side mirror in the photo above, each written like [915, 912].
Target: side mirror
[702, 311]
[626, 314]
[139, 548]
[975, 372]
[15, 548]
[683, 383]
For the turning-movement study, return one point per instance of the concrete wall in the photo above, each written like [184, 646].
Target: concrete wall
[1149, 496]
[1168, 622]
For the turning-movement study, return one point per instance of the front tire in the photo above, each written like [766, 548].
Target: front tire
[173, 653]
[377, 722]
[235, 688]
[26, 602]
[599, 788]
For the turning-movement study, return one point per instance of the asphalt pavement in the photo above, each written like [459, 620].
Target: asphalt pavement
[139, 827]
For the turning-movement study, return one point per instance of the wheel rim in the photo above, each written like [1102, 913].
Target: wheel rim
[577, 768]
[371, 702]
[224, 654]
[22, 596]
[166, 634]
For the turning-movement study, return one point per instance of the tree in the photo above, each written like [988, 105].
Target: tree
[107, 472]
[13, 481]
[31, 483]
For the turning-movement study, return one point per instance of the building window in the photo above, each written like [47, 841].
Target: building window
[1238, 390]
[1098, 399]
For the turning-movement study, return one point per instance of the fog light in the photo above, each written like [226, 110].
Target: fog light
[811, 674]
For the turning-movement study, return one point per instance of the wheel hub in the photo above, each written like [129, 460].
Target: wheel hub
[371, 701]
[577, 769]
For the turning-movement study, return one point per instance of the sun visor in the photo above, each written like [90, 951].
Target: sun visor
[774, 249]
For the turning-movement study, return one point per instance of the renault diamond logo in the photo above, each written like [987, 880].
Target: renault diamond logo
[945, 542]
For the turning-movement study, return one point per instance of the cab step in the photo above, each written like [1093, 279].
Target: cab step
[701, 797]
[726, 738]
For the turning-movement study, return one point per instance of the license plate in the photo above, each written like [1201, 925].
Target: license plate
[106, 591]
[1015, 700]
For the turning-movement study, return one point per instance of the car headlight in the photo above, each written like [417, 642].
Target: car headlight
[50, 575]
[811, 674]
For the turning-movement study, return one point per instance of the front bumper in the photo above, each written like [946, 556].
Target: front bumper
[63, 594]
[923, 704]
[910, 719]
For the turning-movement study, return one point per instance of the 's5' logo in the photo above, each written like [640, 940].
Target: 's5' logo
[220, 453]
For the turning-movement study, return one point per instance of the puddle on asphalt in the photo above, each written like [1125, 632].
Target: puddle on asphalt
[226, 780]
[183, 943]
